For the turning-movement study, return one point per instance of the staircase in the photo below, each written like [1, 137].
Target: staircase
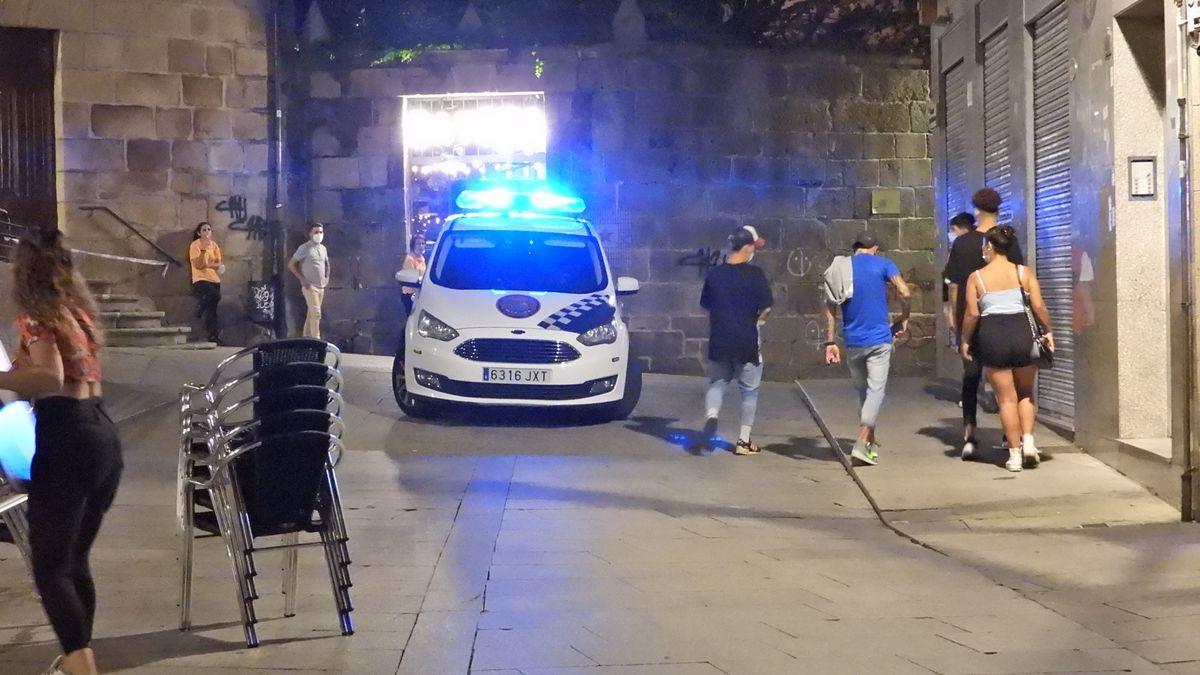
[134, 321]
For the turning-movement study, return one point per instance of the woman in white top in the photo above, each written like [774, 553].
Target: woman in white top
[996, 332]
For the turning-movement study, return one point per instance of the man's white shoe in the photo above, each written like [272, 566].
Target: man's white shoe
[968, 451]
[1015, 461]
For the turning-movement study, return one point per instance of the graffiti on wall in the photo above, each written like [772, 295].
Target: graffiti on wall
[703, 260]
[240, 220]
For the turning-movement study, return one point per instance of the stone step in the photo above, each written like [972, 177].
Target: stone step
[132, 319]
[160, 336]
[100, 286]
[117, 302]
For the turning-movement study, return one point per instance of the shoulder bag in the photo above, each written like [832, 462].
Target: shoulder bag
[1040, 353]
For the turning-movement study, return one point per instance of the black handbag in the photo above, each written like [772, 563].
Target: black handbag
[1040, 353]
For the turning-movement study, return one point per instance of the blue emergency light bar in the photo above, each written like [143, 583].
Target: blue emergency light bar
[505, 198]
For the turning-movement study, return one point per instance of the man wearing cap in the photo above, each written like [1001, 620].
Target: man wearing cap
[738, 299]
[869, 333]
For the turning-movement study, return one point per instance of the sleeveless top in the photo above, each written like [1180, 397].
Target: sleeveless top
[77, 345]
[1008, 301]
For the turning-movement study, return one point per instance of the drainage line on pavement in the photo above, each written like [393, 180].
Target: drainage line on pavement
[845, 460]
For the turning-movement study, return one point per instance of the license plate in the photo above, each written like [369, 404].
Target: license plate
[516, 375]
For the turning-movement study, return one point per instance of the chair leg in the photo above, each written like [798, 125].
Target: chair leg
[290, 573]
[341, 595]
[234, 548]
[186, 548]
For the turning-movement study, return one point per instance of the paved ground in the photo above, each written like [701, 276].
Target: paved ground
[538, 546]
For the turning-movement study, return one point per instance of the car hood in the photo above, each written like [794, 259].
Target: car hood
[569, 312]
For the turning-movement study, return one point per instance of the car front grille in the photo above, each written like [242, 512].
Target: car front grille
[530, 392]
[503, 350]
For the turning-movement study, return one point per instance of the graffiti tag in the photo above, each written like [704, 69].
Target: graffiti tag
[703, 260]
[240, 219]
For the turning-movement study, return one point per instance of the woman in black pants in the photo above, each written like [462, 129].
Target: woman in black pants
[207, 268]
[77, 463]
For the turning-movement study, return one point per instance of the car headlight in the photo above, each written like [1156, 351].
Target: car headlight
[429, 326]
[604, 334]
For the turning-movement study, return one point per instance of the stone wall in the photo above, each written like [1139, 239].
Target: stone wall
[672, 147]
[161, 111]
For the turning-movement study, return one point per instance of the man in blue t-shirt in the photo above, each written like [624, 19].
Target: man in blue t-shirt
[868, 330]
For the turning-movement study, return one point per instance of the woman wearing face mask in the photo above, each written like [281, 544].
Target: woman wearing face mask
[996, 333]
[310, 264]
[415, 260]
[207, 269]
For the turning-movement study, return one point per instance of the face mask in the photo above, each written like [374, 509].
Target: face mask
[318, 238]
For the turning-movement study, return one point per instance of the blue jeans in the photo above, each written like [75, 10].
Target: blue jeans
[869, 371]
[748, 376]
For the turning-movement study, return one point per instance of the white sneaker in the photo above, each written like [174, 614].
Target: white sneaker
[56, 668]
[1029, 452]
[1015, 461]
[968, 451]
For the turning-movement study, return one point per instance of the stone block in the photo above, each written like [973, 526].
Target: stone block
[324, 143]
[203, 92]
[187, 56]
[72, 48]
[713, 169]
[249, 126]
[148, 155]
[824, 81]
[153, 211]
[871, 117]
[879, 146]
[378, 140]
[918, 234]
[182, 182]
[806, 115]
[912, 146]
[807, 235]
[895, 85]
[169, 19]
[338, 172]
[862, 173]
[327, 205]
[205, 24]
[226, 155]
[373, 171]
[780, 201]
[251, 61]
[145, 54]
[173, 123]
[76, 120]
[148, 89]
[212, 124]
[918, 267]
[232, 26]
[88, 86]
[762, 170]
[845, 146]
[473, 77]
[732, 199]
[189, 155]
[103, 52]
[61, 14]
[829, 203]
[732, 142]
[653, 74]
[93, 155]
[916, 173]
[890, 172]
[123, 121]
[255, 92]
[692, 327]
[924, 199]
[322, 84]
[376, 82]
[922, 115]
[257, 156]
[255, 185]
[219, 60]
[807, 172]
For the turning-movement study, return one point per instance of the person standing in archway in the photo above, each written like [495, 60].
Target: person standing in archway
[310, 264]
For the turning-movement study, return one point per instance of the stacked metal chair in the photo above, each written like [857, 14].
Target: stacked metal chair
[258, 446]
[14, 513]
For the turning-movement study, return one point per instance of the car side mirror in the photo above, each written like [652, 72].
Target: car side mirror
[409, 278]
[627, 286]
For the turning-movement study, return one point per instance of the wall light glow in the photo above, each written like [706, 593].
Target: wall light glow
[499, 129]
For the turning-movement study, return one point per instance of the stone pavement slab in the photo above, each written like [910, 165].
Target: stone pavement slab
[539, 545]
[1073, 535]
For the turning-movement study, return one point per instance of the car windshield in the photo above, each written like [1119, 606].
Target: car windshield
[534, 262]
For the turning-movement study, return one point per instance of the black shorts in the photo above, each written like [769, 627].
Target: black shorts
[1003, 341]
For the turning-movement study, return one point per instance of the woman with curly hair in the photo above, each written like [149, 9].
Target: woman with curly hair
[77, 462]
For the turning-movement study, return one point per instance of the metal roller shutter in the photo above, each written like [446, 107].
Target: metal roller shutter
[1052, 204]
[997, 111]
[954, 86]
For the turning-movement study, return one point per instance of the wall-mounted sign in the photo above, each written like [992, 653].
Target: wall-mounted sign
[886, 202]
[1143, 178]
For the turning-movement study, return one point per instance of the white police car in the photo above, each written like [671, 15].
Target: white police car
[518, 307]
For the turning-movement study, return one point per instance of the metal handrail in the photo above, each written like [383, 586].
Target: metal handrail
[170, 258]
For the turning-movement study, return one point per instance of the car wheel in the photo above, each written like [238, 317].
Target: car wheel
[413, 406]
[633, 393]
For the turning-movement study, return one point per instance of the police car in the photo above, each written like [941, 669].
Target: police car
[518, 307]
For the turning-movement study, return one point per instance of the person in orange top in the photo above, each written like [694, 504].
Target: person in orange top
[207, 269]
[77, 462]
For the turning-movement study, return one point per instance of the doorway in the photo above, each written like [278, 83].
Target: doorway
[27, 167]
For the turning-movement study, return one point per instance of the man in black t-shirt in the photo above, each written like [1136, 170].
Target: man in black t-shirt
[966, 256]
[738, 299]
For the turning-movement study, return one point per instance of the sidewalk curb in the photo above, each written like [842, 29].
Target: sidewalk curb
[842, 457]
